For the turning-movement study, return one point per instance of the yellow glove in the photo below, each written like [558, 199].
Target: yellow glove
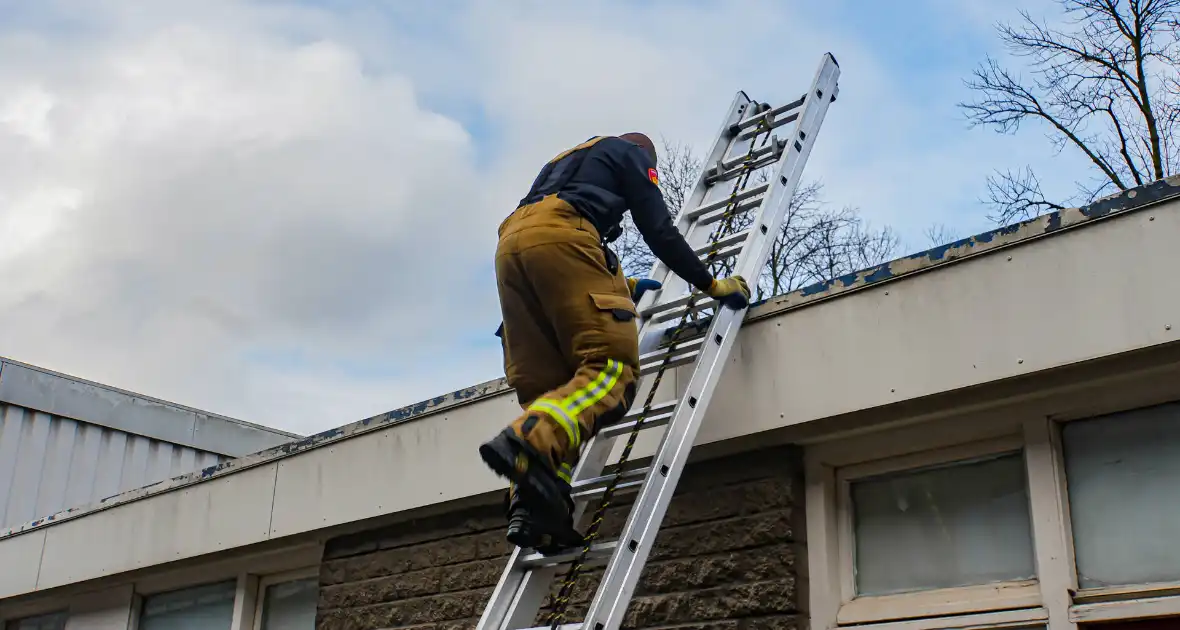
[732, 292]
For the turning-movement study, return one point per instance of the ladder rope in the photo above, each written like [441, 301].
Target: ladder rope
[560, 603]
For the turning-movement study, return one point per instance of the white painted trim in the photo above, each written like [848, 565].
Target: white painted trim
[941, 602]
[932, 457]
[245, 601]
[1051, 539]
[895, 441]
[289, 558]
[136, 612]
[823, 576]
[1028, 618]
[856, 609]
[278, 578]
[1127, 609]
[1121, 593]
[830, 469]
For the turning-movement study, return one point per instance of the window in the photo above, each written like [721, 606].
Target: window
[949, 525]
[289, 605]
[51, 621]
[921, 524]
[209, 607]
[1121, 477]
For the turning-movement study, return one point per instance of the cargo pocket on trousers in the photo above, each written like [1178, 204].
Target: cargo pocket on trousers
[617, 336]
[622, 308]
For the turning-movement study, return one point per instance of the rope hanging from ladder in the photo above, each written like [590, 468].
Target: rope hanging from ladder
[560, 603]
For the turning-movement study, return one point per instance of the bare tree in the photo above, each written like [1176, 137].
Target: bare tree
[1108, 86]
[814, 244]
[940, 234]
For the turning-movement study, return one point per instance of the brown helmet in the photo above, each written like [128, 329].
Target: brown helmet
[642, 141]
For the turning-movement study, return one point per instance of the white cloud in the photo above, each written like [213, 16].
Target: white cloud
[180, 198]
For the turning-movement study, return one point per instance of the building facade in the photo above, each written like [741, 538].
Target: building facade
[982, 435]
[66, 442]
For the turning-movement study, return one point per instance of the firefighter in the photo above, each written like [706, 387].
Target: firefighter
[570, 342]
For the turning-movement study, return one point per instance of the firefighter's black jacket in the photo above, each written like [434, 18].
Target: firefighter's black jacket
[606, 179]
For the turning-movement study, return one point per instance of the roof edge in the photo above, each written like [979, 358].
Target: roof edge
[1119, 204]
[47, 391]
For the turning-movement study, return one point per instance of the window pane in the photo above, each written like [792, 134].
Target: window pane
[961, 524]
[51, 621]
[290, 605]
[209, 607]
[1123, 475]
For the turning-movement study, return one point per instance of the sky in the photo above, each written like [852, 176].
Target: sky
[285, 211]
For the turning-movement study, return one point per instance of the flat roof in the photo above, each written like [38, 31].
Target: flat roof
[1044, 226]
[43, 390]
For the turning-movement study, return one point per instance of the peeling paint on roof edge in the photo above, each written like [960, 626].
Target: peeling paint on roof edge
[987, 242]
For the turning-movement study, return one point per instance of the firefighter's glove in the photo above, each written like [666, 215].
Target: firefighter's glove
[639, 286]
[732, 292]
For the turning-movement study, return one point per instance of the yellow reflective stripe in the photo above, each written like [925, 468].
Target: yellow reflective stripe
[589, 388]
[595, 391]
[563, 473]
[566, 412]
[555, 411]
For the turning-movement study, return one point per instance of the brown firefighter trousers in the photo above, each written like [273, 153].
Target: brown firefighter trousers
[571, 346]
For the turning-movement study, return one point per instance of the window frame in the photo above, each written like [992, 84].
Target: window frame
[10, 623]
[266, 581]
[1124, 602]
[859, 609]
[1039, 425]
[923, 441]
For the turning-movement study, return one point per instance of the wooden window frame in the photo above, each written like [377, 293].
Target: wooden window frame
[1040, 602]
[854, 609]
[277, 578]
[1127, 602]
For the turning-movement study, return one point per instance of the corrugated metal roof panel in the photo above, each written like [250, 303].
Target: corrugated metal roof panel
[49, 463]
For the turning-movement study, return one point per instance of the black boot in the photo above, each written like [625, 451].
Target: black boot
[528, 532]
[540, 510]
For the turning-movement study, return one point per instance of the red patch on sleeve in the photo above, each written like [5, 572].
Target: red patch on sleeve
[651, 174]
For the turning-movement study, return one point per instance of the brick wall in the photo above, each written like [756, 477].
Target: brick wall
[725, 559]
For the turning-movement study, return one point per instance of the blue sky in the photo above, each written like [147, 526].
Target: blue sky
[285, 211]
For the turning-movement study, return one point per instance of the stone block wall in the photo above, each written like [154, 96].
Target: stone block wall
[727, 557]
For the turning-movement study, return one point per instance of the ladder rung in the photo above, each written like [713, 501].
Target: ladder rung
[564, 626]
[678, 311]
[774, 146]
[657, 417]
[719, 214]
[676, 361]
[737, 171]
[682, 346]
[752, 121]
[778, 122]
[724, 249]
[598, 553]
[722, 243]
[742, 195]
[596, 486]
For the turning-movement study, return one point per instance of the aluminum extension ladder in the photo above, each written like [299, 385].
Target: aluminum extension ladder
[721, 193]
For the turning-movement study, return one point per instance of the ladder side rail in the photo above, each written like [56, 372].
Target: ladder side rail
[639, 533]
[673, 285]
[618, 582]
[518, 592]
[787, 177]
